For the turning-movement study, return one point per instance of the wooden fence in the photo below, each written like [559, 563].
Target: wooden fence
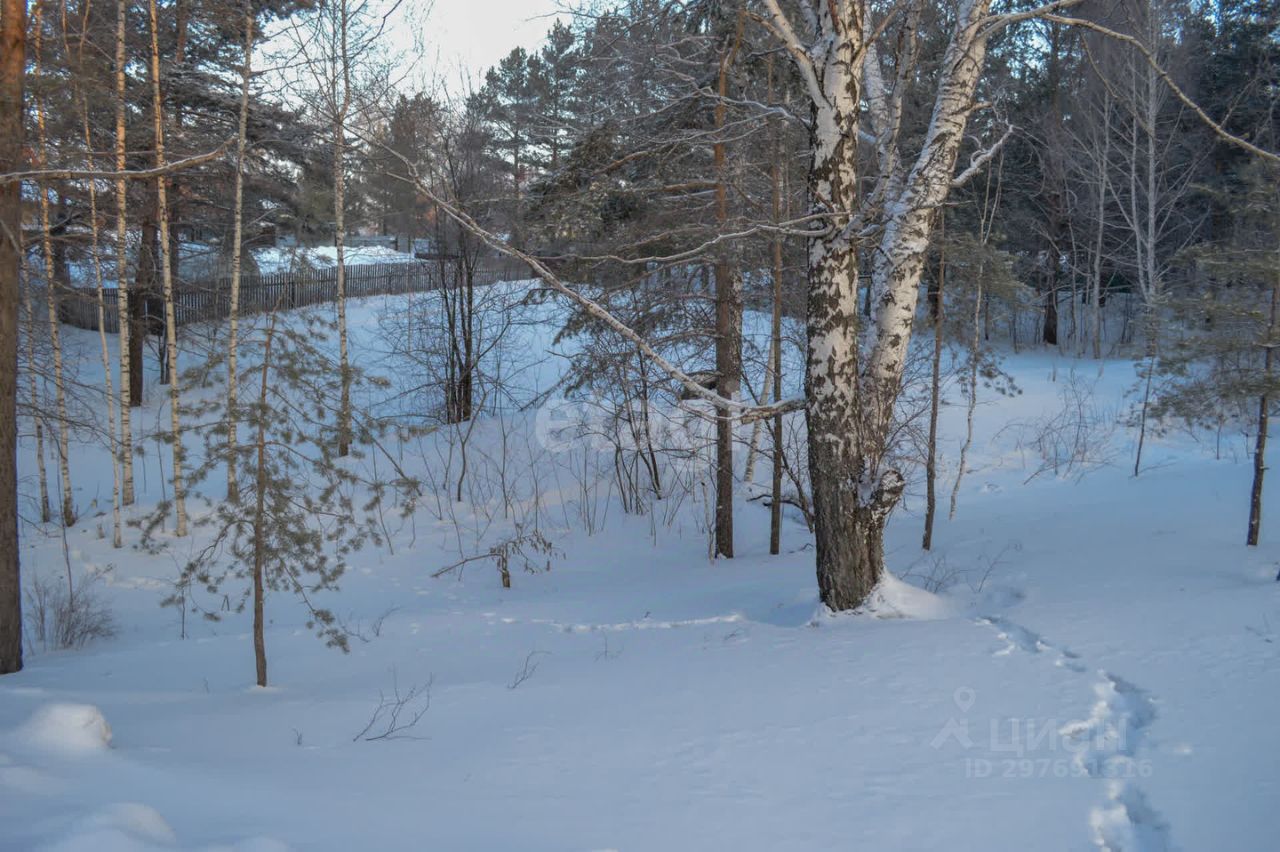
[210, 300]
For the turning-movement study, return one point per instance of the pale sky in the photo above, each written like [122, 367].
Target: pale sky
[472, 34]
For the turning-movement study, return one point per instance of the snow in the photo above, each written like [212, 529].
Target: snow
[283, 259]
[67, 728]
[1085, 660]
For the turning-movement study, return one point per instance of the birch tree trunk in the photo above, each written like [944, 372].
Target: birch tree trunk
[1100, 213]
[850, 397]
[166, 277]
[51, 292]
[108, 385]
[124, 334]
[37, 405]
[13, 28]
[237, 249]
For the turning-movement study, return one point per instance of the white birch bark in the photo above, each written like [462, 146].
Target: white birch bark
[166, 277]
[116, 533]
[237, 253]
[341, 100]
[122, 265]
[37, 406]
[51, 292]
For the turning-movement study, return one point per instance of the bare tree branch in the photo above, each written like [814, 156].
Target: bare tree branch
[1220, 131]
[130, 174]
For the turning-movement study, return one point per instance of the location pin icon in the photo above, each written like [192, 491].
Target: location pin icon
[964, 698]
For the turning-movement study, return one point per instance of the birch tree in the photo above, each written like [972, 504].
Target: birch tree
[52, 285]
[853, 377]
[100, 301]
[124, 344]
[332, 43]
[237, 250]
[166, 277]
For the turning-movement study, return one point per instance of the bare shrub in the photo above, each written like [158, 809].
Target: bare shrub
[1075, 439]
[530, 548]
[61, 616]
[526, 671]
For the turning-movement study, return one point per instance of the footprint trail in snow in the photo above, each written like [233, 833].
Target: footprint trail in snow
[1107, 746]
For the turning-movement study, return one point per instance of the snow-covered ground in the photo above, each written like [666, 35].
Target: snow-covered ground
[200, 260]
[1086, 659]
[284, 259]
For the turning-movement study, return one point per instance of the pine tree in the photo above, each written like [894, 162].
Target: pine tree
[297, 512]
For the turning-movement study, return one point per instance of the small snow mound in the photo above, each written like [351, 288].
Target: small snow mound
[124, 826]
[894, 598]
[70, 728]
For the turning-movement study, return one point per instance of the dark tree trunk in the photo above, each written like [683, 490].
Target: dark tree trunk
[849, 537]
[259, 520]
[1055, 191]
[775, 333]
[12, 61]
[728, 334]
[141, 295]
[1264, 416]
[728, 338]
[1259, 469]
[1050, 335]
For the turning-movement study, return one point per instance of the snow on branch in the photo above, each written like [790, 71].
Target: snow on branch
[980, 159]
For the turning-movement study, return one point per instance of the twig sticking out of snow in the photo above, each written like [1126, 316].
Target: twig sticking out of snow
[397, 713]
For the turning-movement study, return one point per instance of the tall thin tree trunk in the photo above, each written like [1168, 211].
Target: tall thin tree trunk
[728, 343]
[981, 315]
[974, 343]
[1264, 416]
[166, 275]
[237, 249]
[124, 332]
[1100, 214]
[935, 387]
[1155, 287]
[52, 286]
[143, 296]
[775, 331]
[341, 102]
[108, 385]
[766, 393]
[13, 29]
[37, 404]
[259, 518]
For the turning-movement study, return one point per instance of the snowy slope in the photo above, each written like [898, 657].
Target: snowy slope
[1083, 661]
